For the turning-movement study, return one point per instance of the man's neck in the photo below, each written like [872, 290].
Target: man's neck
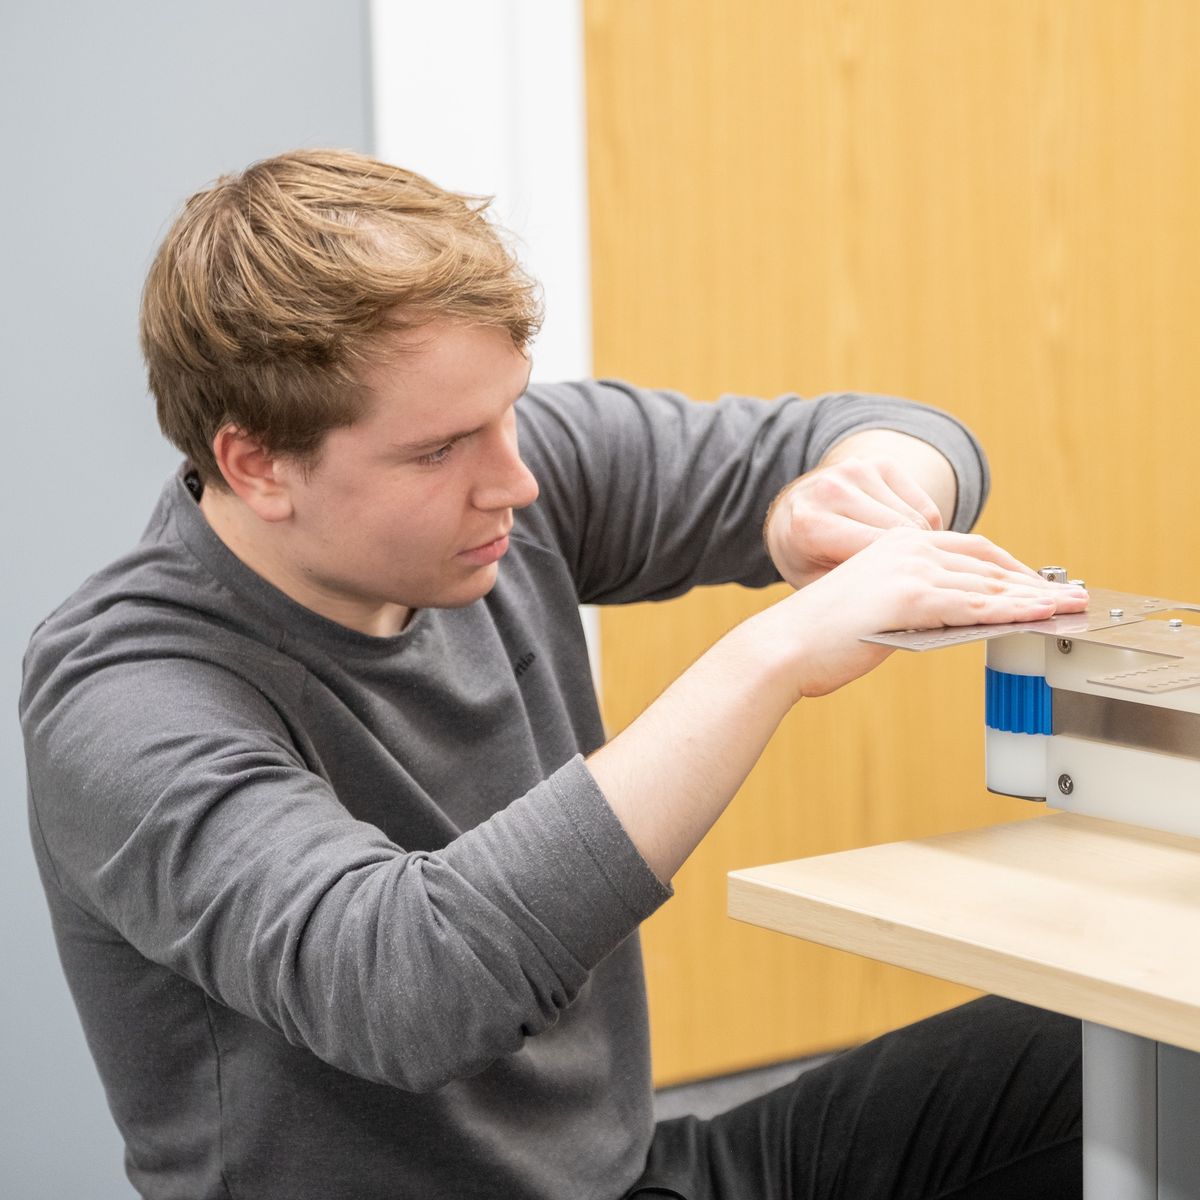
[240, 531]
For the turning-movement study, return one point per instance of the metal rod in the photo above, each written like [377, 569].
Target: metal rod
[1120, 1115]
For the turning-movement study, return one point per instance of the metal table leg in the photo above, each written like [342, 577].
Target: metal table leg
[1141, 1118]
[1120, 1115]
[1178, 1123]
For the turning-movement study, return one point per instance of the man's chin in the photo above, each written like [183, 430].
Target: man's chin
[475, 587]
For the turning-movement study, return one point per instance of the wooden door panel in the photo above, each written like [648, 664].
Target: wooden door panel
[987, 206]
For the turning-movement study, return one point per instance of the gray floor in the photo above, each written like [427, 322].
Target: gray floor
[707, 1097]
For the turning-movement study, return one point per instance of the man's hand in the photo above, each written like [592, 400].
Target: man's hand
[906, 579]
[869, 483]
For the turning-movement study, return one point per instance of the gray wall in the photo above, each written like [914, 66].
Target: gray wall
[112, 114]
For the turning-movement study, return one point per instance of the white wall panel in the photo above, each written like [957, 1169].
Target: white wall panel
[487, 97]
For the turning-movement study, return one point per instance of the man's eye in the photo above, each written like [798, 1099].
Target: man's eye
[436, 457]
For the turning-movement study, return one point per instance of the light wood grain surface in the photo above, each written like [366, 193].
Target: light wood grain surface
[987, 206]
[1086, 917]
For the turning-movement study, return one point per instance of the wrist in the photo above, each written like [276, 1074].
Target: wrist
[769, 649]
[774, 531]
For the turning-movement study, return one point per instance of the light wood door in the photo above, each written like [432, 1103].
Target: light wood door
[990, 206]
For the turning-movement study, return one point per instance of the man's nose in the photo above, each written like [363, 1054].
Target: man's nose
[509, 482]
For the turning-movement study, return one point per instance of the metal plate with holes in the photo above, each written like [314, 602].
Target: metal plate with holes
[1129, 631]
[1167, 677]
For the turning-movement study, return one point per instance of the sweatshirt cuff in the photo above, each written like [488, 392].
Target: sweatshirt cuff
[580, 872]
[611, 847]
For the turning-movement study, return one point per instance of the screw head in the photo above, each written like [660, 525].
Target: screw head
[1066, 784]
[1064, 645]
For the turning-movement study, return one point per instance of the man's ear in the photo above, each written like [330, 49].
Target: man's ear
[256, 476]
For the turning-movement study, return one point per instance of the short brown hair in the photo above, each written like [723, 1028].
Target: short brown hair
[273, 287]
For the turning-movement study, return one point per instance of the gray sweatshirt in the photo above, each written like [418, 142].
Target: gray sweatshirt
[347, 916]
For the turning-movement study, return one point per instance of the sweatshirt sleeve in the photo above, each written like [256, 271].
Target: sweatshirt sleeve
[170, 799]
[647, 493]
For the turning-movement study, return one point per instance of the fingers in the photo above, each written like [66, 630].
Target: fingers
[842, 536]
[978, 571]
[826, 521]
[955, 607]
[974, 549]
[877, 494]
[833, 513]
[941, 579]
[975, 562]
[907, 490]
[1060, 597]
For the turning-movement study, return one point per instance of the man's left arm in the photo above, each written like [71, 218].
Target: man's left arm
[647, 494]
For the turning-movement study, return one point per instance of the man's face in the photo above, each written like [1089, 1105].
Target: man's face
[411, 505]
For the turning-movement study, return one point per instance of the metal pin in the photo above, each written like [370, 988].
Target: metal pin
[1174, 623]
[1116, 612]
[1077, 582]
[1054, 574]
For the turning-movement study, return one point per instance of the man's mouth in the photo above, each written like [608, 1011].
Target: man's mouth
[486, 552]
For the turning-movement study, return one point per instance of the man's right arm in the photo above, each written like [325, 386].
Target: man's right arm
[175, 808]
[670, 774]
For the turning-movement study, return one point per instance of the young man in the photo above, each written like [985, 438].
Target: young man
[345, 880]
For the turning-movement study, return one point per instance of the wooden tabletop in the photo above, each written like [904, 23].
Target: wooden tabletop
[1091, 918]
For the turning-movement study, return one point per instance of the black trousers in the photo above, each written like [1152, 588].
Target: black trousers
[979, 1103]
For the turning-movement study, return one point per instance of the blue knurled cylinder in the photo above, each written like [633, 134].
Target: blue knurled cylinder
[1018, 703]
